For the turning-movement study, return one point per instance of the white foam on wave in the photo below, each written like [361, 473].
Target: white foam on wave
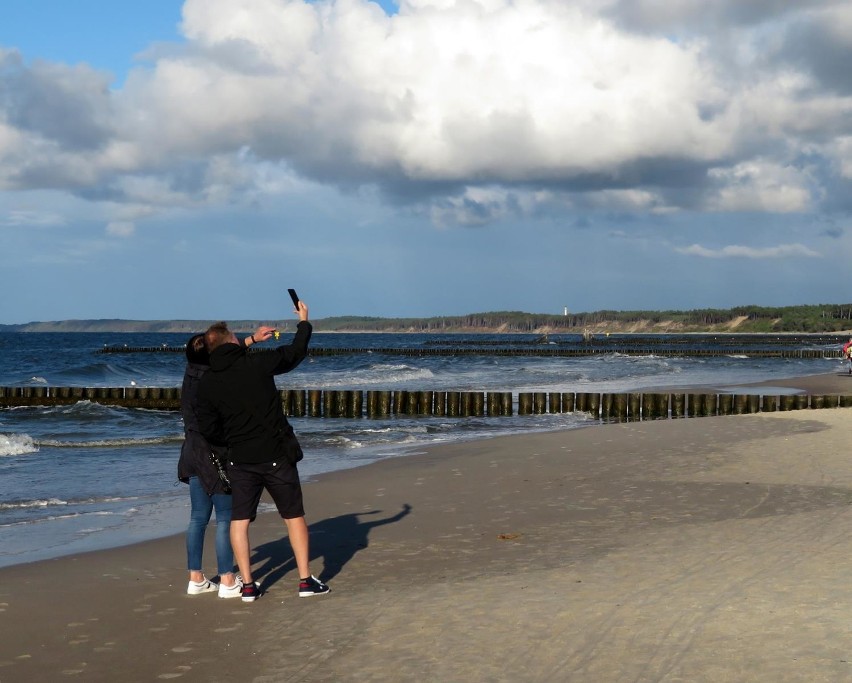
[17, 444]
[56, 518]
[343, 441]
[110, 443]
[24, 504]
[382, 373]
[83, 407]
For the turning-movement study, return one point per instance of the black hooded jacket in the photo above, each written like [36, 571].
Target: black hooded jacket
[195, 452]
[239, 405]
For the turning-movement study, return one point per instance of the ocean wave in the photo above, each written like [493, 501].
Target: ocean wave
[26, 504]
[83, 407]
[39, 511]
[111, 443]
[377, 373]
[90, 371]
[391, 367]
[17, 444]
[60, 517]
[343, 442]
[39, 503]
[50, 518]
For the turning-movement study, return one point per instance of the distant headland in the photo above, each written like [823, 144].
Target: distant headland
[819, 318]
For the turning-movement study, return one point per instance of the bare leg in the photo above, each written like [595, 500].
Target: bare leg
[297, 529]
[240, 544]
[227, 580]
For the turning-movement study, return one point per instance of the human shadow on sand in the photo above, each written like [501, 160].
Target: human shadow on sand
[334, 540]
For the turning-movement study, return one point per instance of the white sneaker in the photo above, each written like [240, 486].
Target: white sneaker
[234, 591]
[203, 586]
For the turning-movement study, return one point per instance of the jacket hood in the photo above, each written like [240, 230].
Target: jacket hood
[225, 356]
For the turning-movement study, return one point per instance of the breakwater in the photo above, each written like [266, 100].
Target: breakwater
[615, 407]
[794, 346]
[552, 351]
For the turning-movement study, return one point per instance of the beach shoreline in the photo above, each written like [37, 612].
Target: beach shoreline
[163, 515]
[649, 547]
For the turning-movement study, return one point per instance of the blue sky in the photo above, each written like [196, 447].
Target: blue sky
[428, 157]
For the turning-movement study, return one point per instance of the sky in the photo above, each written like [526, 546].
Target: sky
[193, 160]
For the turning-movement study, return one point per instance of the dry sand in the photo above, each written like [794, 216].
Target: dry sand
[702, 549]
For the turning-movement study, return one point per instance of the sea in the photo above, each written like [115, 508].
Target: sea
[85, 476]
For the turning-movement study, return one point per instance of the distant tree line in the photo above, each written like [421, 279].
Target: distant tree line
[811, 318]
[754, 319]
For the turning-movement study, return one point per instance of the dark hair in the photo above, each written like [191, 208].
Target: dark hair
[216, 335]
[196, 352]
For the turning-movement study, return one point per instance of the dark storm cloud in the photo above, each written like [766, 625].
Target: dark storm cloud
[701, 17]
[654, 104]
[826, 54]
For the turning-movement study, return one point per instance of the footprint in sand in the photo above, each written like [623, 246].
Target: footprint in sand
[72, 672]
[228, 629]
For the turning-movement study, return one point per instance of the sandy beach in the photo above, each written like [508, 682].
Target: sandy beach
[692, 550]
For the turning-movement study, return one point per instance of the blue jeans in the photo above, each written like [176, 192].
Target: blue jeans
[201, 508]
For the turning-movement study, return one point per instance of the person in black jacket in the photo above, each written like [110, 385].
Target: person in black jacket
[240, 408]
[206, 490]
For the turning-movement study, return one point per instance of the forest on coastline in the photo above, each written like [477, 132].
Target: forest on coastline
[817, 318]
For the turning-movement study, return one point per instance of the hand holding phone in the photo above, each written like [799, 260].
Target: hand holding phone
[300, 306]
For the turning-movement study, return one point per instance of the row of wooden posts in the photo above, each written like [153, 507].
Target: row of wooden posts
[617, 407]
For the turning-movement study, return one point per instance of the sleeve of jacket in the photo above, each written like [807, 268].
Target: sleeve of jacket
[285, 358]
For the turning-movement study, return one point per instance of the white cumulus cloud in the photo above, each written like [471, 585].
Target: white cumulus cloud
[656, 106]
[747, 252]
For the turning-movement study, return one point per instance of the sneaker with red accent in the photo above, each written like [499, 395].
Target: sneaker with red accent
[312, 586]
[250, 592]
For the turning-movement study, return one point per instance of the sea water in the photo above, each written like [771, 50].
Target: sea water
[87, 476]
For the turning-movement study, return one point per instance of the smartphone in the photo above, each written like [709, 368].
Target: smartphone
[294, 297]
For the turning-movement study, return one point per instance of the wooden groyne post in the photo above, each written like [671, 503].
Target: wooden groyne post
[351, 403]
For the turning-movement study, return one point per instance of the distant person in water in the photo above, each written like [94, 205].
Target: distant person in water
[207, 491]
[240, 408]
[847, 353]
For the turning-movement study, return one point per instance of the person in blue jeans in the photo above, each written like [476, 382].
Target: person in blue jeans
[207, 491]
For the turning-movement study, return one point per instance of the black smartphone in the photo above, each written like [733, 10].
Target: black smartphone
[294, 297]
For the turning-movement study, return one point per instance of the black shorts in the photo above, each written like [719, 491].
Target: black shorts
[281, 479]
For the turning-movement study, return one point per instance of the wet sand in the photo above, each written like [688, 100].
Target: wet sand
[701, 549]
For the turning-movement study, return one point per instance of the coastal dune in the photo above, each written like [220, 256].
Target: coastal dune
[706, 549]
